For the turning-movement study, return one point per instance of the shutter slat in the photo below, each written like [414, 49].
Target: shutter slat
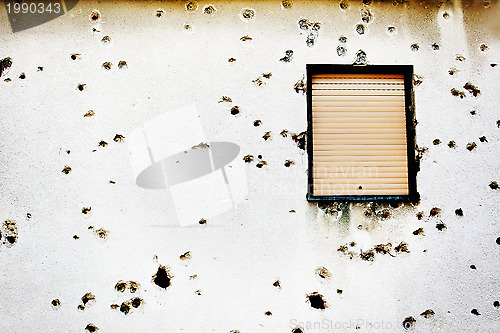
[358, 92]
[350, 98]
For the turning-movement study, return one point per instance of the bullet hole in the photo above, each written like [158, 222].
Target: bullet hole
[383, 248]
[291, 211]
[95, 30]
[486, 3]
[446, 15]
[323, 273]
[235, 110]
[106, 40]
[107, 65]
[419, 232]
[258, 81]
[341, 51]
[80, 307]
[366, 15]
[122, 64]
[300, 139]
[459, 212]
[367, 2]
[248, 158]
[247, 14]
[498, 240]
[28, 215]
[452, 71]
[81, 86]
[191, 6]
[186, 256]
[441, 226]
[408, 323]
[22, 76]
[268, 313]
[496, 304]
[103, 143]
[344, 4]
[89, 113]
[360, 29]
[101, 233]
[494, 185]
[7, 80]
[473, 267]
[288, 163]
[160, 12]
[257, 123]
[114, 306]
[435, 211]
[483, 139]
[360, 187]
[414, 47]
[286, 4]
[86, 210]
[259, 157]
[231, 60]
[284, 133]
[118, 138]
[66, 170]
[112, 182]
[163, 278]
[121, 286]
[452, 144]
[312, 27]
[402, 247]
[435, 47]
[198, 292]
[40, 69]
[417, 79]
[266, 136]
[460, 58]
[391, 30]
[277, 284]
[493, 65]
[457, 93]
[209, 10]
[88, 299]
[298, 330]
[5, 65]
[316, 300]
[267, 75]
[300, 86]
[9, 232]
[367, 256]
[384, 214]
[225, 99]
[261, 164]
[472, 89]
[427, 313]
[471, 146]
[483, 47]
[498, 123]
[303, 24]
[125, 308]
[202, 221]
[91, 328]
[475, 312]
[246, 38]
[288, 56]
[76, 237]
[360, 58]
[436, 142]
[56, 303]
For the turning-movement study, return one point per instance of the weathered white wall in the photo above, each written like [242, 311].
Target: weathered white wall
[238, 255]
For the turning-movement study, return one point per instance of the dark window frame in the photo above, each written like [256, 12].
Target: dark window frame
[407, 71]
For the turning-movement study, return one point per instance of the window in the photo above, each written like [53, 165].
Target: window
[360, 133]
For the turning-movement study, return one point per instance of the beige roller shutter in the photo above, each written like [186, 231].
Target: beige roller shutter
[359, 135]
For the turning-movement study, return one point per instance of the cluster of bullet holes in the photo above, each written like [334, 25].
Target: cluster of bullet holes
[163, 277]
[100, 233]
[91, 328]
[209, 10]
[87, 300]
[259, 81]
[341, 50]
[250, 159]
[133, 303]
[9, 233]
[288, 56]
[348, 250]
[286, 4]
[247, 14]
[312, 30]
[5, 65]
[191, 6]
